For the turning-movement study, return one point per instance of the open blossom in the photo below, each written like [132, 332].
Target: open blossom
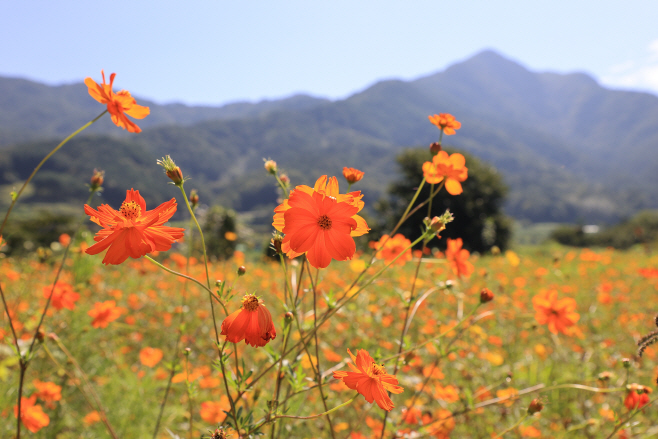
[132, 231]
[446, 122]
[449, 167]
[118, 104]
[252, 322]
[458, 258]
[559, 315]
[104, 313]
[370, 380]
[320, 222]
[32, 416]
[48, 392]
[214, 412]
[149, 356]
[63, 295]
[388, 248]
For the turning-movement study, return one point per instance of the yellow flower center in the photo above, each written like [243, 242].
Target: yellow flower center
[377, 369]
[130, 210]
[250, 303]
[324, 222]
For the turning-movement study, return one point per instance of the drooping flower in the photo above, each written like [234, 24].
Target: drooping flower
[104, 313]
[352, 175]
[118, 104]
[32, 416]
[132, 231]
[637, 396]
[370, 380]
[149, 356]
[321, 222]
[63, 295]
[446, 122]
[252, 322]
[458, 258]
[559, 315]
[388, 248]
[451, 167]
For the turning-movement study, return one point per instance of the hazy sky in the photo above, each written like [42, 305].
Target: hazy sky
[215, 52]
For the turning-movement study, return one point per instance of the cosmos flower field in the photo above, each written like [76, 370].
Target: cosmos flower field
[124, 332]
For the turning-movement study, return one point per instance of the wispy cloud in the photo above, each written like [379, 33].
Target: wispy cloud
[640, 73]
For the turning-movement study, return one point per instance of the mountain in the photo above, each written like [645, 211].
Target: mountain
[568, 148]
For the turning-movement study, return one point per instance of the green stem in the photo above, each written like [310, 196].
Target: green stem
[41, 163]
[346, 403]
[525, 415]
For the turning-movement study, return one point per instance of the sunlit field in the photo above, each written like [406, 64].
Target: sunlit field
[484, 374]
[130, 329]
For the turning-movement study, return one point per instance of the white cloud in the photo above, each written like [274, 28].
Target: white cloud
[638, 74]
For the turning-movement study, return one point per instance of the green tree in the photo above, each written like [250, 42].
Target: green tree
[477, 211]
[219, 225]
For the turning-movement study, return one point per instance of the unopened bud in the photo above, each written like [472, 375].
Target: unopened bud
[435, 148]
[96, 180]
[276, 241]
[172, 171]
[288, 316]
[626, 362]
[194, 198]
[242, 270]
[40, 336]
[352, 175]
[536, 406]
[486, 295]
[218, 283]
[187, 351]
[270, 166]
[284, 179]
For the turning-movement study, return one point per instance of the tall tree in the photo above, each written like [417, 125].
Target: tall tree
[479, 220]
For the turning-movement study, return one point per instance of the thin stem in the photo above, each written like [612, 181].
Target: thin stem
[525, 415]
[317, 345]
[203, 242]
[346, 403]
[41, 163]
[76, 382]
[228, 392]
[11, 323]
[180, 334]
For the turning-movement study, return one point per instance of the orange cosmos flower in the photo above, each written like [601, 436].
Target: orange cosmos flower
[352, 175]
[104, 313]
[388, 248]
[321, 222]
[91, 418]
[214, 412]
[445, 122]
[449, 167]
[557, 314]
[132, 231]
[149, 356]
[63, 295]
[48, 392]
[32, 416]
[458, 258]
[252, 322]
[370, 380]
[637, 397]
[118, 104]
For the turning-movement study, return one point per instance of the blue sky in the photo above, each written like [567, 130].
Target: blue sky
[214, 52]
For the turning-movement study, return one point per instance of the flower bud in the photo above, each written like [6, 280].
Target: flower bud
[486, 295]
[536, 406]
[288, 316]
[270, 166]
[242, 270]
[626, 362]
[218, 283]
[194, 198]
[284, 179]
[97, 180]
[172, 171]
[435, 148]
[276, 241]
[352, 175]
